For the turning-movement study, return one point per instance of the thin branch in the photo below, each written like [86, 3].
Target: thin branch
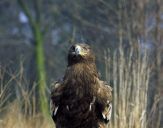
[37, 7]
[27, 12]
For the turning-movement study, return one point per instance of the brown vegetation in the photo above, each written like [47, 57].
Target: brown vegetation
[129, 75]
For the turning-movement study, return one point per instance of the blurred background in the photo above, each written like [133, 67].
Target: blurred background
[126, 36]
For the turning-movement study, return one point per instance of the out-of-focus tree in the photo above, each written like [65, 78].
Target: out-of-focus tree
[34, 19]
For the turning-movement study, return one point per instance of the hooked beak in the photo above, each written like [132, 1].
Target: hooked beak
[78, 50]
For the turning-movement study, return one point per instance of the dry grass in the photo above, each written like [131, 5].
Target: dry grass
[22, 110]
[128, 72]
[15, 119]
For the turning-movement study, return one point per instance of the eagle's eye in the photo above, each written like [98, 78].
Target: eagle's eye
[86, 49]
[72, 48]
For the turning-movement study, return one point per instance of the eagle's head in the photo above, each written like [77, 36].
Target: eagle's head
[80, 53]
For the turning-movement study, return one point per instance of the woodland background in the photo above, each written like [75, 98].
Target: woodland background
[126, 36]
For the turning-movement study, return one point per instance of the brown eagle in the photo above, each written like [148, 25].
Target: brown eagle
[80, 99]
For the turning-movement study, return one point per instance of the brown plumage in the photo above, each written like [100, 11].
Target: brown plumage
[81, 99]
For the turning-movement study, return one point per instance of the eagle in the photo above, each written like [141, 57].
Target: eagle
[80, 99]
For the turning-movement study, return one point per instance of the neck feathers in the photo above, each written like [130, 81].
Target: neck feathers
[83, 70]
[81, 74]
[82, 79]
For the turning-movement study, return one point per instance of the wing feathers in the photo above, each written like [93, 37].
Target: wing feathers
[55, 111]
[104, 99]
[107, 112]
[56, 93]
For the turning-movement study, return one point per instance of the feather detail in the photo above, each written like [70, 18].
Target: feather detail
[56, 92]
[92, 103]
[55, 111]
[106, 114]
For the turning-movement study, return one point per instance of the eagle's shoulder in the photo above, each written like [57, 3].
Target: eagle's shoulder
[57, 88]
[56, 93]
[105, 85]
[104, 94]
[104, 90]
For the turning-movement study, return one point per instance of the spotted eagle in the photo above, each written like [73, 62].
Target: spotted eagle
[80, 99]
